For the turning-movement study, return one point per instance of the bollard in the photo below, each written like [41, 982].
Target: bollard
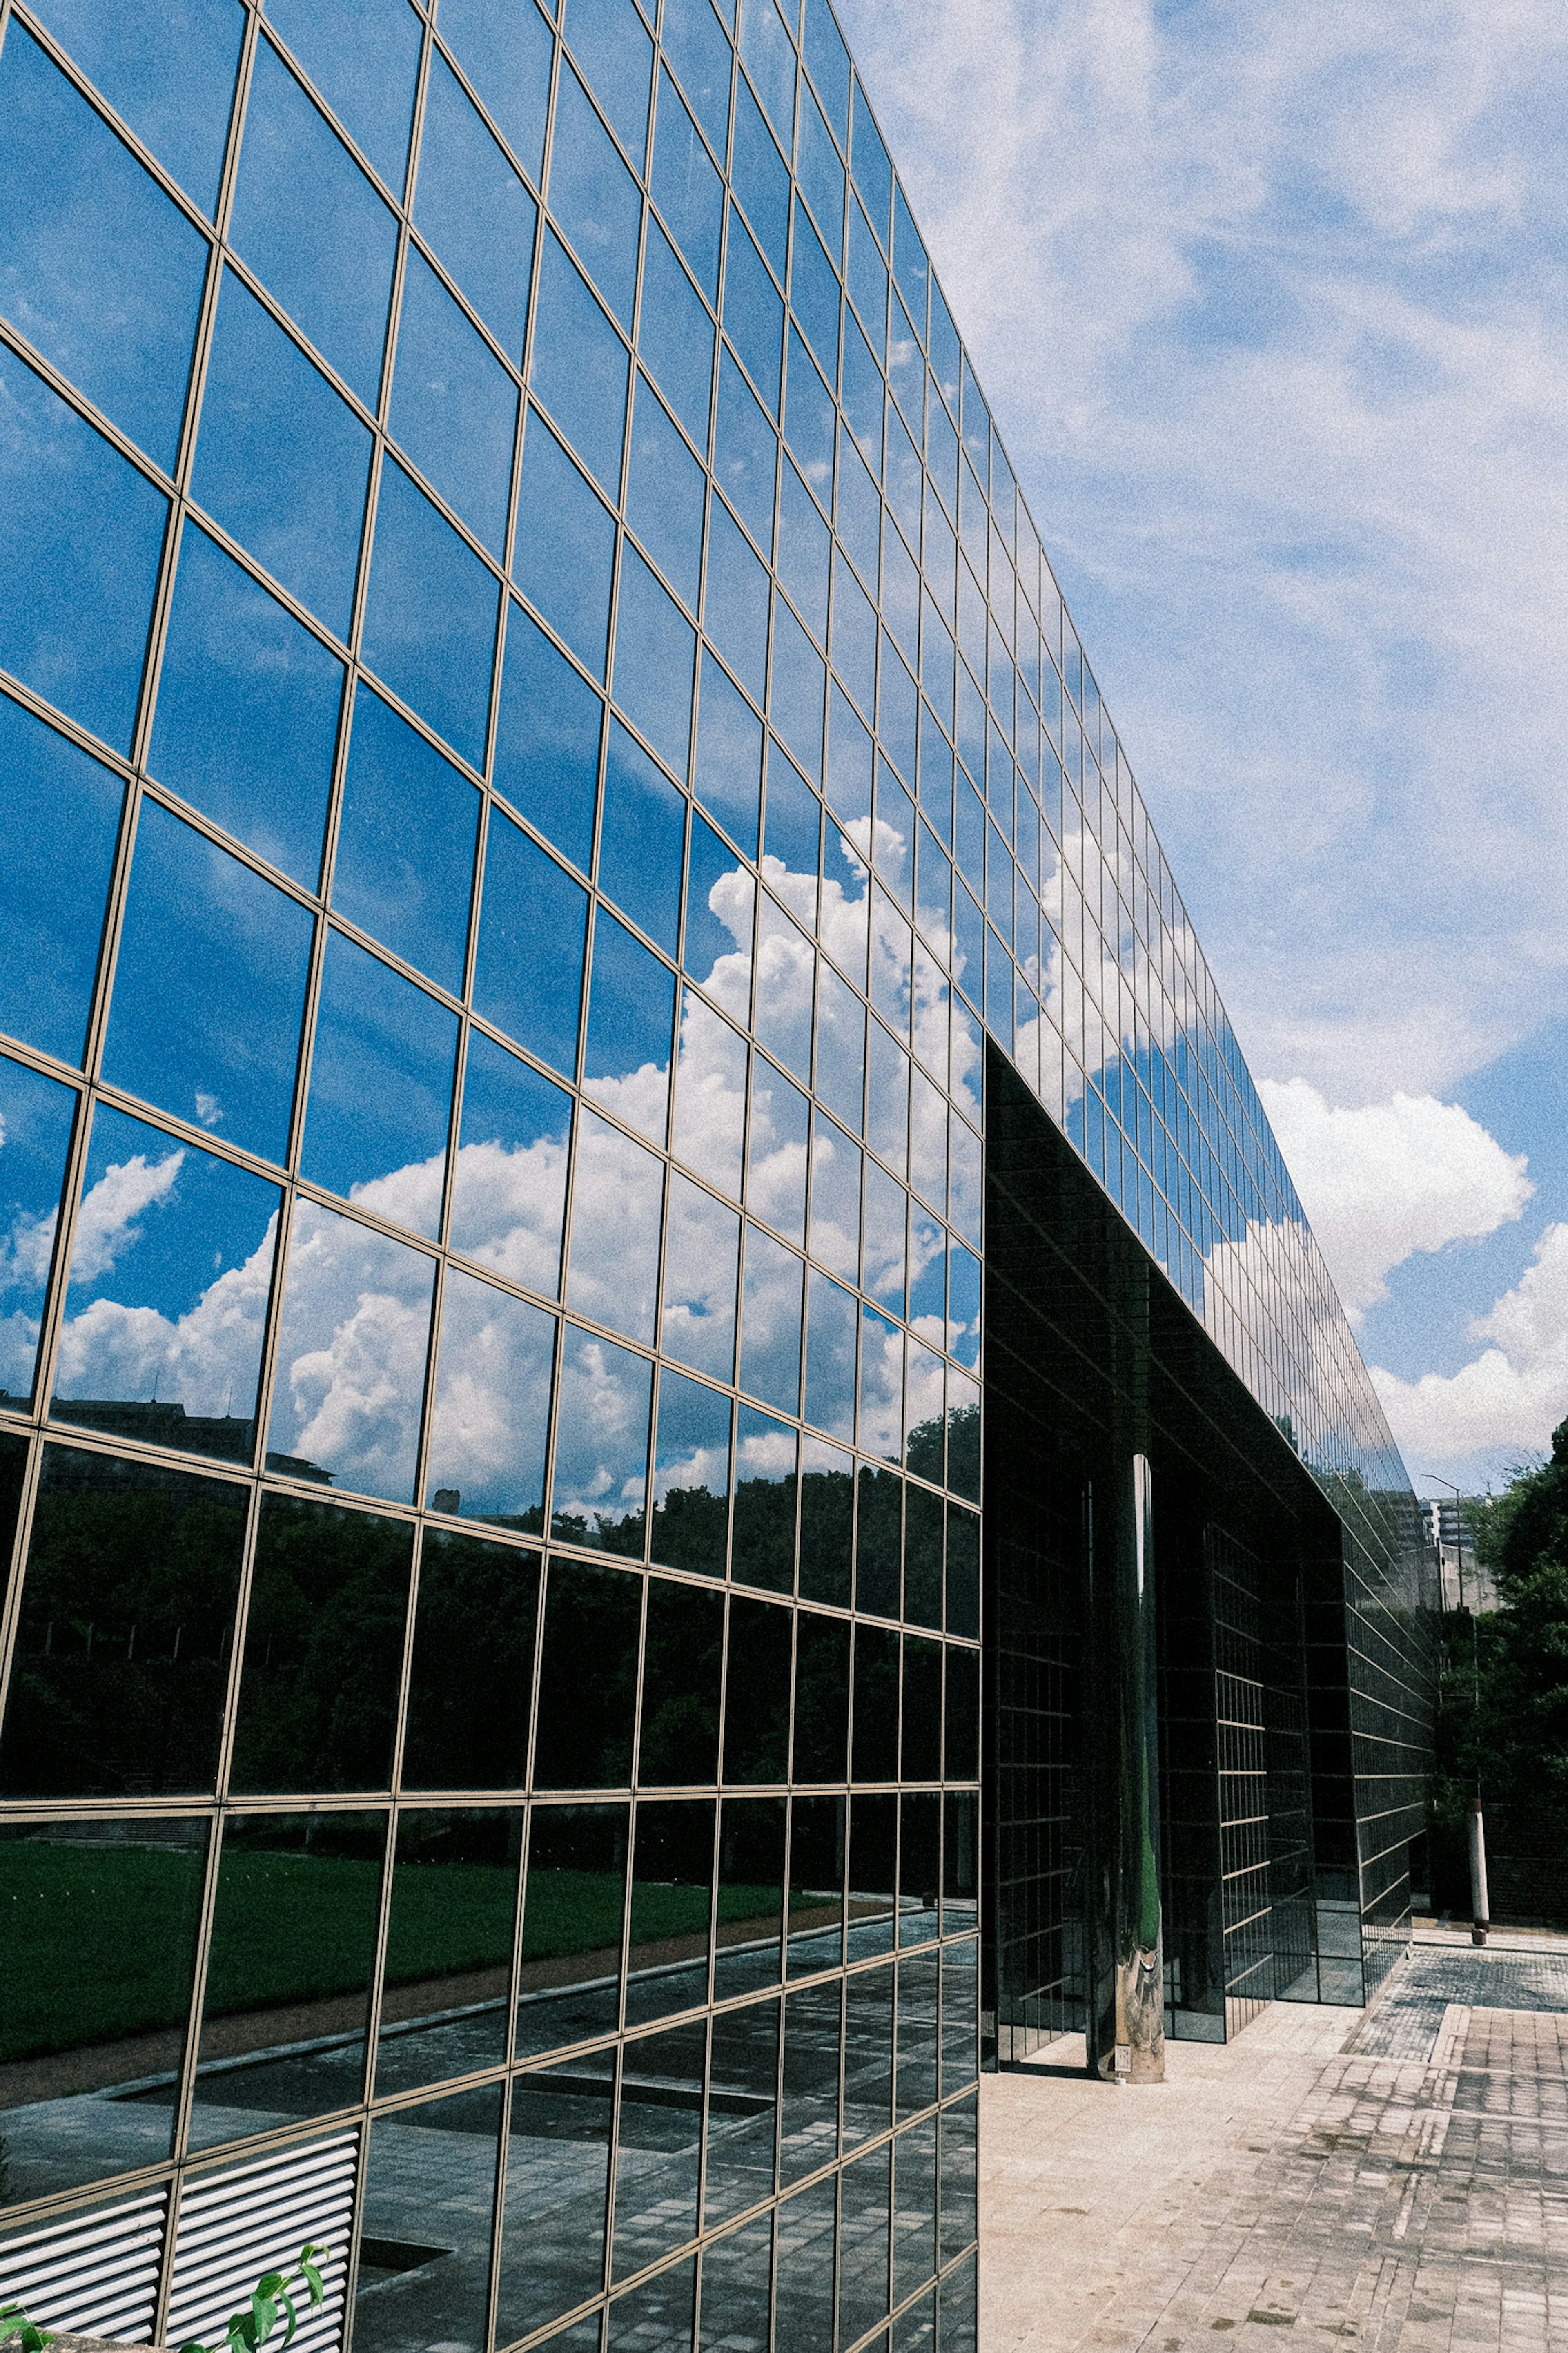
[1478, 1875]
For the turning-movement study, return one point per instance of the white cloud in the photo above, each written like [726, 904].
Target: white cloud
[106, 1224]
[1506, 1402]
[1383, 1181]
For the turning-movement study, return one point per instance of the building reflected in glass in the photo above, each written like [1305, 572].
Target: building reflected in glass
[569, 912]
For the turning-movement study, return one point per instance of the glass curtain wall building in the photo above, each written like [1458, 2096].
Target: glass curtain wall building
[550, 803]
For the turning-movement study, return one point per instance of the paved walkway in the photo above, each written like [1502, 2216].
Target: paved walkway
[1394, 2180]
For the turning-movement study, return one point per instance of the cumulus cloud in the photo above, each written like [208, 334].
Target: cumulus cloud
[1505, 1403]
[1383, 1181]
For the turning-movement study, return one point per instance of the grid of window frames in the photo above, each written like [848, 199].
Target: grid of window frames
[537, 728]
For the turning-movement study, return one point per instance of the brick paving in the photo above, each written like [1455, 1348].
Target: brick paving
[1394, 2180]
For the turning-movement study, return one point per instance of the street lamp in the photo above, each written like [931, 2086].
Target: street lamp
[1479, 1895]
[1458, 1531]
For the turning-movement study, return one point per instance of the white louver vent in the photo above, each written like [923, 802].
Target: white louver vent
[96, 2274]
[235, 2226]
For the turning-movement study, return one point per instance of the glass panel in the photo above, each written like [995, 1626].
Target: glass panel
[826, 1518]
[656, 2318]
[617, 1202]
[247, 712]
[914, 2219]
[928, 1145]
[958, 2184]
[569, 1982]
[435, 2160]
[964, 1436]
[764, 1550]
[960, 1968]
[745, 459]
[836, 1200]
[710, 1095]
[840, 1037]
[528, 972]
[601, 1445]
[809, 421]
[735, 615]
[565, 548]
[209, 988]
[547, 740]
[962, 1572]
[808, 2132]
[751, 1911]
[920, 1833]
[830, 1358]
[682, 1666]
[293, 1947]
[720, 899]
[492, 1419]
[761, 179]
[454, 407]
[281, 462]
[557, 2186]
[691, 1481]
[881, 1419]
[364, 61]
[814, 292]
[171, 1270]
[323, 1649]
[655, 654]
[822, 1699]
[474, 209]
[686, 187]
[595, 198]
[312, 227]
[742, 2109]
[449, 1932]
[58, 814]
[642, 839]
[886, 1216]
[962, 1724]
[776, 1180]
[701, 55]
[587, 1677]
[69, 263]
[672, 1896]
[506, 52]
[888, 1099]
[770, 1322]
[817, 1884]
[381, 1089]
[876, 1690]
[753, 321]
[675, 335]
[405, 862]
[430, 616]
[36, 1117]
[658, 2154]
[97, 1994]
[922, 1554]
[804, 554]
[80, 533]
[666, 495]
[877, 1547]
[579, 368]
[472, 1675]
[610, 44]
[124, 1632]
[786, 965]
[756, 1696]
[700, 1266]
[509, 1180]
[171, 87]
[350, 1377]
[864, 2214]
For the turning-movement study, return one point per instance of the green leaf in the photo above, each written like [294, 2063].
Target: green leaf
[287, 2301]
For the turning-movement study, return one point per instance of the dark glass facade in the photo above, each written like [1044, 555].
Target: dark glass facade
[550, 804]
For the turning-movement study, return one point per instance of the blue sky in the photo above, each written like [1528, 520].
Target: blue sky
[1269, 305]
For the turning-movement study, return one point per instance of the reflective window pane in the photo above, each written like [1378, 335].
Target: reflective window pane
[247, 712]
[454, 407]
[728, 773]
[674, 336]
[659, 2147]
[528, 973]
[350, 1377]
[570, 1983]
[616, 1212]
[656, 653]
[381, 1089]
[691, 1481]
[430, 618]
[822, 1696]
[491, 1417]
[751, 1917]
[439, 2156]
[363, 60]
[610, 43]
[557, 2194]
[506, 52]
[449, 1931]
[98, 265]
[322, 1873]
[817, 1855]
[475, 212]
[770, 1322]
[580, 367]
[710, 1095]
[565, 548]
[756, 1696]
[594, 196]
[686, 189]
[170, 78]
[36, 1114]
[836, 1200]
[209, 988]
[404, 861]
[832, 1314]
[778, 1151]
[763, 1545]
[642, 839]
[323, 1649]
[282, 462]
[509, 1180]
[472, 1675]
[672, 1894]
[547, 740]
[125, 1632]
[80, 535]
[170, 1272]
[60, 813]
[587, 1677]
[827, 1521]
[601, 1445]
[313, 227]
[97, 1993]
[682, 1668]
[702, 1247]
